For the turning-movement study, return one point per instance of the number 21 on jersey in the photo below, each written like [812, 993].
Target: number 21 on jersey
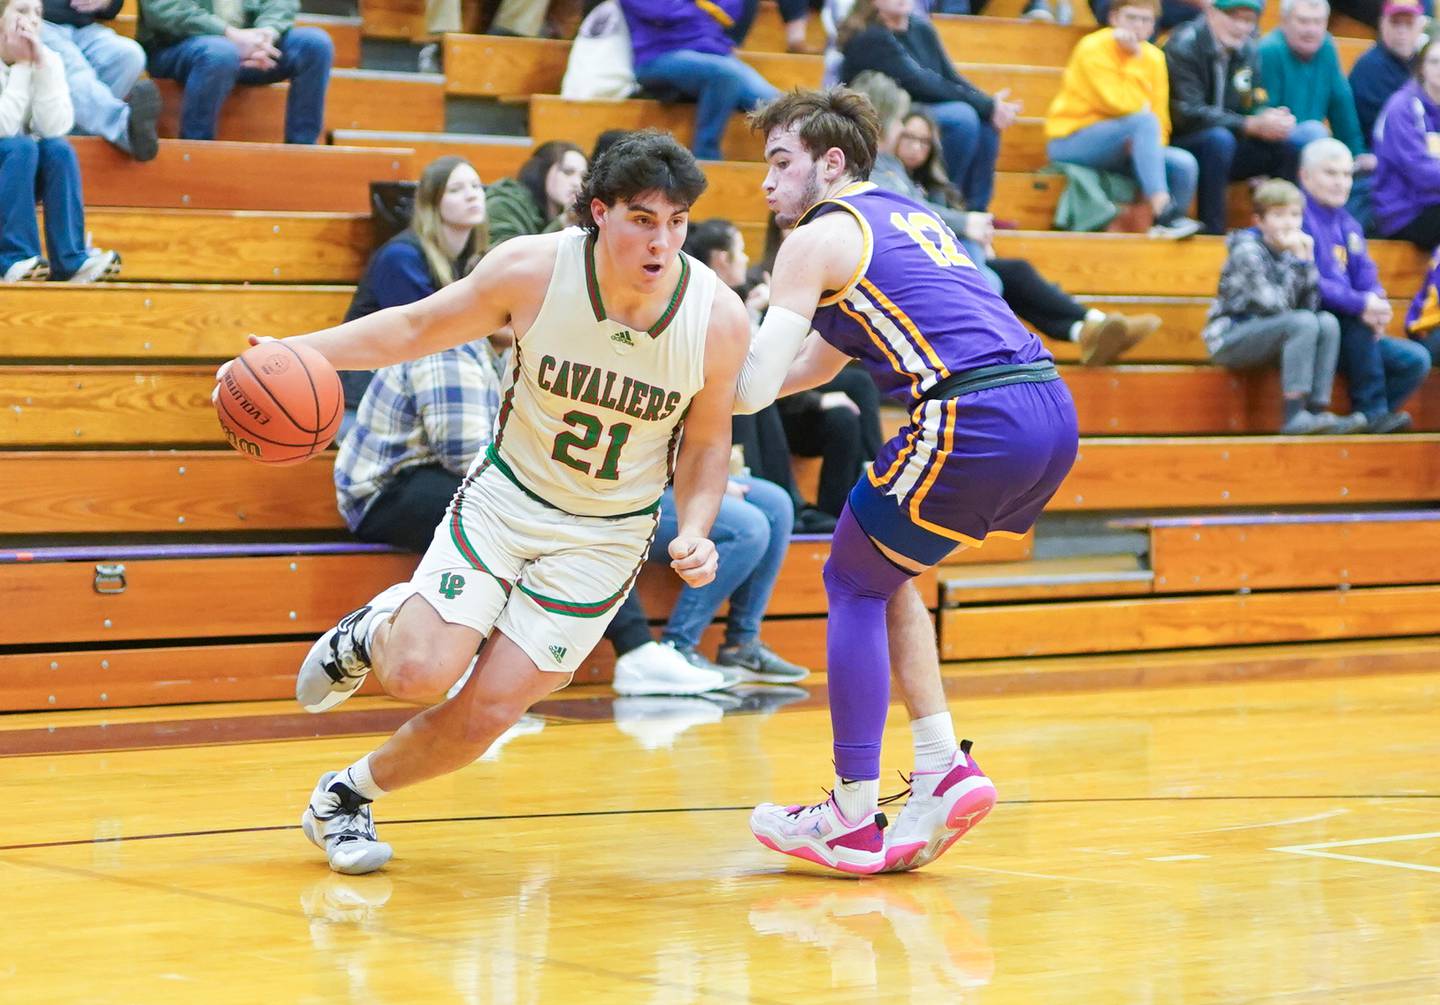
[941, 248]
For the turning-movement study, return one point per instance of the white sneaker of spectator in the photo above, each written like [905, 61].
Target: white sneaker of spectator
[1172, 224]
[657, 669]
[98, 265]
[28, 270]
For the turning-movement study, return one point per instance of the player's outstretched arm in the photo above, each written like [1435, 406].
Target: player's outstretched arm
[465, 310]
[819, 256]
[702, 468]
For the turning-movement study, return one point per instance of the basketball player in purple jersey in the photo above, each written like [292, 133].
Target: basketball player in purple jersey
[992, 433]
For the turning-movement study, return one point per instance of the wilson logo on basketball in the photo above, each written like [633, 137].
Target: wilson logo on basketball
[239, 442]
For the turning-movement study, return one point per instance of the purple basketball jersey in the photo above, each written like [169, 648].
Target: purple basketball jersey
[917, 310]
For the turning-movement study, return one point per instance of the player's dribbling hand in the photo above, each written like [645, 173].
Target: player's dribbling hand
[694, 559]
[253, 339]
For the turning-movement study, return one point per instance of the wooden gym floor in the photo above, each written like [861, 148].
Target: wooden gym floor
[1266, 840]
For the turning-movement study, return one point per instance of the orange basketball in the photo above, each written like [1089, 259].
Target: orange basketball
[280, 403]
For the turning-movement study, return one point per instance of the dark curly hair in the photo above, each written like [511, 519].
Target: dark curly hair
[646, 160]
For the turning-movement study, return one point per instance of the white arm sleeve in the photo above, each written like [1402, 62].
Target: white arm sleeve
[772, 350]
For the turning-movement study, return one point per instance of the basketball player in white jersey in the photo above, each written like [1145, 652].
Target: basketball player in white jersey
[620, 341]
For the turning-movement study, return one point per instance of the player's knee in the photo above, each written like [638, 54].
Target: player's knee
[488, 719]
[416, 676]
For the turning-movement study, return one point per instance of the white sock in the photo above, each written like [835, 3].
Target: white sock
[1091, 315]
[857, 800]
[934, 742]
[358, 777]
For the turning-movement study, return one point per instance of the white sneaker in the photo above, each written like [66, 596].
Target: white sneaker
[657, 669]
[99, 265]
[821, 835]
[28, 270]
[336, 664]
[338, 822]
[942, 807]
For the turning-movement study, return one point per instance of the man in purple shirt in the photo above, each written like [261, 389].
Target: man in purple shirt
[1382, 371]
[681, 47]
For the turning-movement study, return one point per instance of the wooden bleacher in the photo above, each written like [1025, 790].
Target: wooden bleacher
[96, 380]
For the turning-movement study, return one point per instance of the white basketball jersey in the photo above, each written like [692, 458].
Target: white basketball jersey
[591, 418]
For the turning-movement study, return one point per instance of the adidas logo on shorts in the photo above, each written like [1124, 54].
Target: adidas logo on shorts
[558, 652]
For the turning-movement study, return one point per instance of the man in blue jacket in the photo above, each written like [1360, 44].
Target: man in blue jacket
[1385, 66]
[1382, 372]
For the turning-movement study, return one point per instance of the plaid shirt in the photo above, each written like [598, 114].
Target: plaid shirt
[436, 410]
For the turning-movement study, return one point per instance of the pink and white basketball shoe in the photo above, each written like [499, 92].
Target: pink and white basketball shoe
[822, 835]
[942, 807]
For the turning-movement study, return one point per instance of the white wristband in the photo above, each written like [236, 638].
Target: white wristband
[772, 350]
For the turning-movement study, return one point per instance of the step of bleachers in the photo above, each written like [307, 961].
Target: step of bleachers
[189, 245]
[357, 99]
[191, 174]
[54, 322]
[128, 405]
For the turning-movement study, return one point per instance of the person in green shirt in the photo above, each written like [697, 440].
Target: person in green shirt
[211, 45]
[1301, 69]
[538, 199]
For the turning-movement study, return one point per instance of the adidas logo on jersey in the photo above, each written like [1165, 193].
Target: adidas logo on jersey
[558, 652]
[623, 338]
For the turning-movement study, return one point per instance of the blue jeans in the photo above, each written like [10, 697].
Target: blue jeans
[970, 148]
[208, 67]
[100, 67]
[47, 168]
[751, 536]
[720, 85]
[1224, 157]
[1131, 145]
[1382, 372]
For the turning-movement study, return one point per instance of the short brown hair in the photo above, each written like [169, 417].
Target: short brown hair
[1275, 193]
[1153, 6]
[838, 118]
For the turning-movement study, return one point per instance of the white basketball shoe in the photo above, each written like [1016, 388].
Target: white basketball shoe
[337, 663]
[338, 822]
[942, 807]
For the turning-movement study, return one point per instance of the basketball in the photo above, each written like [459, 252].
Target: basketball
[279, 403]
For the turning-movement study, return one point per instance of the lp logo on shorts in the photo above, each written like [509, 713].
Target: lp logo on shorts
[451, 585]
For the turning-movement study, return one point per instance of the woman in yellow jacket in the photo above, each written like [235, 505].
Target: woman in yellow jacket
[1113, 113]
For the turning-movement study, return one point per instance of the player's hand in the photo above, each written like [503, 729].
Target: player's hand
[253, 339]
[694, 559]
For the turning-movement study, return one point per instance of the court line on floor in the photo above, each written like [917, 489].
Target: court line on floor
[498, 817]
[543, 961]
[1317, 850]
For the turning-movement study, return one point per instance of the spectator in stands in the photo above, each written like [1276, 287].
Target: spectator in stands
[447, 235]
[1406, 193]
[211, 45]
[103, 72]
[1218, 105]
[1301, 69]
[885, 36]
[538, 198]
[419, 424]
[1382, 372]
[1385, 66]
[1172, 13]
[37, 160]
[682, 48]
[794, 13]
[1268, 308]
[909, 163]
[1113, 113]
